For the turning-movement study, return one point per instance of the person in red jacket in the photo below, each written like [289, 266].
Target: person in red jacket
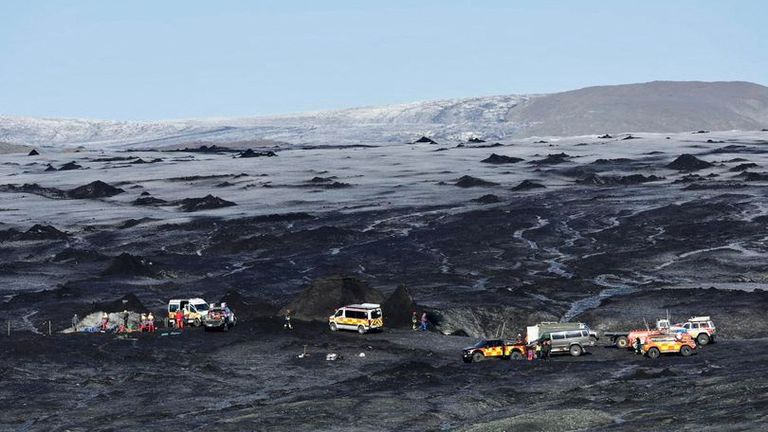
[179, 319]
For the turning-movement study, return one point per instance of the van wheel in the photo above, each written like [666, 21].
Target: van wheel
[702, 339]
[334, 327]
[622, 342]
[361, 329]
[196, 322]
[685, 351]
[654, 353]
[576, 350]
[516, 355]
[477, 357]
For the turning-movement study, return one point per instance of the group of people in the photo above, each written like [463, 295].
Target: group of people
[541, 349]
[146, 323]
[419, 324]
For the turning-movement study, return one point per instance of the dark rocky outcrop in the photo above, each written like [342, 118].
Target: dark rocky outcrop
[36, 232]
[78, 255]
[69, 166]
[149, 201]
[97, 189]
[500, 159]
[252, 154]
[469, 181]
[426, 140]
[248, 308]
[606, 136]
[688, 162]
[398, 309]
[743, 167]
[208, 202]
[126, 264]
[318, 301]
[487, 199]
[528, 185]
[34, 152]
[474, 140]
[551, 159]
[634, 179]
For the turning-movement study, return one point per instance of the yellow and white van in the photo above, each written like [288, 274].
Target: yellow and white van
[195, 310]
[360, 317]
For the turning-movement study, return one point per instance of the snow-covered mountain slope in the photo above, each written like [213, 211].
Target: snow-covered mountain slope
[649, 107]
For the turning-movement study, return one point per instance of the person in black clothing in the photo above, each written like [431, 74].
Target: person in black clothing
[546, 349]
[125, 318]
[638, 346]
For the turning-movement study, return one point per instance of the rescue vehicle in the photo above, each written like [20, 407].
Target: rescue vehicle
[700, 328]
[656, 345]
[195, 310]
[361, 317]
[494, 348]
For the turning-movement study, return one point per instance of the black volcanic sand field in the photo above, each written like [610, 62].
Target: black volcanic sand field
[612, 237]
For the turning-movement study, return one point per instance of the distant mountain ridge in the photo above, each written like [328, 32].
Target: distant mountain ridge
[659, 106]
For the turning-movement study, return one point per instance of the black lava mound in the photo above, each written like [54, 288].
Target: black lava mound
[487, 199]
[688, 162]
[149, 201]
[399, 308]
[425, 140]
[208, 202]
[469, 181]
[37, 232]
[743, 167]
[528, 185]
[634, 179]
[551, 159]
[753, 176]
[33, 153]
[252, 154]
[69, 166]
[247, 308]
[77, 256]
[126, 264]
[128, 302]
[318, 301]
[606, 136]
[97, 189]
[500, 159]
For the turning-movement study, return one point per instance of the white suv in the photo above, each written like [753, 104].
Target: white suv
[701, 328]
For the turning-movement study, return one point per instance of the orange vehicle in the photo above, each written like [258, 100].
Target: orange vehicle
[656, 345]
[495, 348]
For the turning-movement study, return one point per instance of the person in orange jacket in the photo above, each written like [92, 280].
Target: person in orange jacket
[179, 319]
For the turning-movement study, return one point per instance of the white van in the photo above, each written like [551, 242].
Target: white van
[360, 317]
[195, 310]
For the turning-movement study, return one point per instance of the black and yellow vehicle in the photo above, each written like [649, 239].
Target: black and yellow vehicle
[360, 317]
[494, 348]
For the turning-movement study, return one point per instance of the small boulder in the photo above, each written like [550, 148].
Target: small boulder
[208, 202]
[500, 159]
[469, 181]
[528, 185]
[688, 162]
[34, 152]
[487, 199]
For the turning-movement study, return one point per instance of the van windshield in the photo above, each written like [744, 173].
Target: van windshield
[201, 307]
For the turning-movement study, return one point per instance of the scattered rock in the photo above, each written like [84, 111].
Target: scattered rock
[700, 132]
[318, 301]
[208, 149]
[50, 168]
[688, 162]
[540, 142]
[487, 199]
[606, 136]
[528, 185]
[208, 202]
[130, 223]
[475, 140]
[224, 184]
[34, 152]
[469, 181]
[753, 176]
[714, 186]
[629, 137]
[617, 161]
[711, 141]
[500, 159]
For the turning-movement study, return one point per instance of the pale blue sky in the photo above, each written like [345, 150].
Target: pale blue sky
[179, 59]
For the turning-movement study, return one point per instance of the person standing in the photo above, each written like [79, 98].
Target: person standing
[638, 346]
[546, 350]
[126, 316]
[287, 324]
[179, 319]
[150, 322]
[414, 321]
[75, 322]
[104, 321]
[424, 321]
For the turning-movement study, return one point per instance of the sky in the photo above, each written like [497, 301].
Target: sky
[151, 60]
